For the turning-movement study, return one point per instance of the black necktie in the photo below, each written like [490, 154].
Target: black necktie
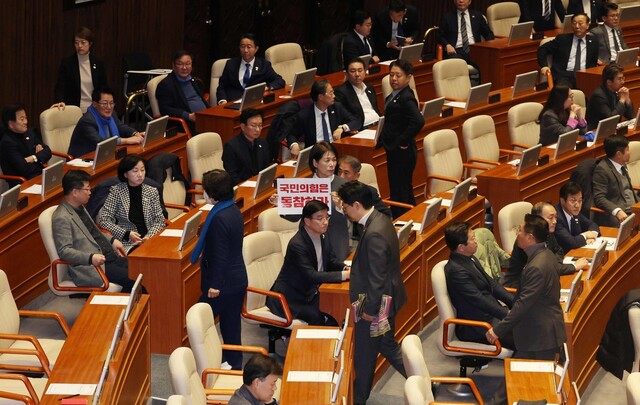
[575, 226]
[578, 64]
[325, 129]
[463, 33]
[616, 45]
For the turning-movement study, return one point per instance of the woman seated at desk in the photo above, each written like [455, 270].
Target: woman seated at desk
[132, 211]
[308, 263]
[560, 115]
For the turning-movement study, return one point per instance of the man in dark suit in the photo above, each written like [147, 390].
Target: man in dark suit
[569, 52]
[178, 94]
[247, 153]
[349, 169]
[592, 8]
[573, 229]
[303, 271]
[357, 42]
[324, 120]
[245, 71]
[473, 293]
[22, 152]
[376, 274]
[609, 34]
[610, 98]
[396, 20]
[536, 318]
[358, 97]
[541, 13]
[612, 188]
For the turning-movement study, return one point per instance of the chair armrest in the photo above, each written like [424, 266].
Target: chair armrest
[31, 399]
[177, 206]
[242, 348]
[438, 177]
[38, 351]
[196, 182]
[550, 78]
[461, 380]
[511, 289]
[182, 122]
[58, 287]
[483, 161]
[47, 314]
[510, 152]
[519, 145]
[63, 155]
[10, 177]
[598, 210]
[283, 302]
[466, 322]
[208, 371]
[398, 204]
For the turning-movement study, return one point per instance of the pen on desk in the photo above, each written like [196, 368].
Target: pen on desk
[70, 396]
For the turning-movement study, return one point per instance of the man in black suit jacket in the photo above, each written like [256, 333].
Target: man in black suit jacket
[357, 42]
[532, 10]
[235, 77]
[473, 293]
[376, 273]
[323, 120]
[610, 38]
[451, 35]
[594, 9]
[563, 50]
[610, 98]
[573, 229]
[247, 153]
[398, 19]
[349, 169]
[358, 97]
[303, 271]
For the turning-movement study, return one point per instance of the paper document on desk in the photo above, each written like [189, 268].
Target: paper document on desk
[365, 134]
[416, 226]
[80, 163]
[248, 183]
[71, 389]
[206, 207]
[110, 300]
[533, 366]
[310, 376]
[317, 333]
[33, 189]
[564, 294]
[456, 104]
[386, 62]
[175, 233]
[289, 163]
[610, 242]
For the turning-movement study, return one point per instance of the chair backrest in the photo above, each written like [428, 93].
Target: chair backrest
[633, 389]
[413, 357]
[177, 400]
[443, 302]
[634, 325]
[502, 16]
[204, 153]
[185, 379]
[152, 85]
[269, 220]
[633, 166]
[57, 126]
[9, 316]
[216, 71]
[480, 140]
[523, 126]
[204, 340]
[262, 253]
[386, 87]
[286, 59]
[579, 98]
[451, 79]
[417, 391]
[45, 225]
[549, 57]
[173, 192]
[368, 175]
[442, 156]
[509, 219]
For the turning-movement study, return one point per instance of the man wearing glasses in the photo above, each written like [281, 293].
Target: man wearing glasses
[247, 153]
[609, 34]
[99, 123]
[573, 229]
[610, 98]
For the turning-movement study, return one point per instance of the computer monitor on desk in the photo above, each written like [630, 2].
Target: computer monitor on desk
[252, 97]
[478, 96]
[105, 152]
[628, 57]
[529, 158]
[52, 177]
[524, 83]
[411, 53]
[520, 32]
[433, 109]
[460, 194]
[303, 80]
[155, 130]
[606, 127]
[9, 200]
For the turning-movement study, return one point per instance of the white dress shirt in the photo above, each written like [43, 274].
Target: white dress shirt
[467, 20]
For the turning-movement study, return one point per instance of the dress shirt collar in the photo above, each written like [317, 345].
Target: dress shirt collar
[318, 111]
[359, 90]
[616, 165]
[568, 216]
[359, 35]
[251, 62]
[365, 217]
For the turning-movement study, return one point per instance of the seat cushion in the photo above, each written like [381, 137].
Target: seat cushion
[51, 347]
[18, 387]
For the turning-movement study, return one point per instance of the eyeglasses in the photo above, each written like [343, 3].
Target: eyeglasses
[105, 104]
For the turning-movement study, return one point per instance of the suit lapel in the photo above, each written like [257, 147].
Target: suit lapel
[76, 219]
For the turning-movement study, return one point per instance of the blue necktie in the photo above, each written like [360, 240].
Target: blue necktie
[325, 129]
[247, 75]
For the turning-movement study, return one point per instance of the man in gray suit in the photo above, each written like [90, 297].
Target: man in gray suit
[536, 316]
[375, 273]
[612, 189]
[78, 239]
[609, 34]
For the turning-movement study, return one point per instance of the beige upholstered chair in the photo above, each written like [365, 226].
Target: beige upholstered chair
[204, 153]
[174, 195]
[177, 400]
[207, 350]
[443, 160]
[19, 389]
[262, 253]
[368, 176]
[269, 220]
[633, 389]
[580, 99]
[548, 77]
[633, 166]
[57, 127]
[60, 282]
[216, 71]
[152, 86]
[185, 379]
[417, 388]
[451, 79]
[634, 324]
[524, 130]
[386, 87]
[481, 143]
[286, 59]
[43, 352]
[501, 16]
[509, 219]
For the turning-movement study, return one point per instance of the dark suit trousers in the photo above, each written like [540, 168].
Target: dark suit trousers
[306, 311]
[228, 307]
[366, 349]
[400, 166]
[117, 270]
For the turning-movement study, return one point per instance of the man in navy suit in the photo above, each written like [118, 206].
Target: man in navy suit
[358, 42]
[573, 229]
[324, 120]
[473, 293]
[398, 19]
[358, 97]
[570, 52]
[245, 71]
[541, 12]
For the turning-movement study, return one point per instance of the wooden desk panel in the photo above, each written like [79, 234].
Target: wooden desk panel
[535, 386]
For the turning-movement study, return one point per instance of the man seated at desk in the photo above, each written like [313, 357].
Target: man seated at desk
[358, 97]
[396, 20]
[99, 123]
[542, 13]
[349, 169]
[22, 152]
[324, 120]
[609, 34]
[519, 256]
[570, 52]
[610, 98]
[259, 378]
[358, 42]
[178, 94]
[473, 293]
[245, 71]
[612, 188]
[78, 239]
[573, 229]
[309, 262]
[247, 153]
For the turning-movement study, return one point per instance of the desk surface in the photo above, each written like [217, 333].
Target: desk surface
[535, 385]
